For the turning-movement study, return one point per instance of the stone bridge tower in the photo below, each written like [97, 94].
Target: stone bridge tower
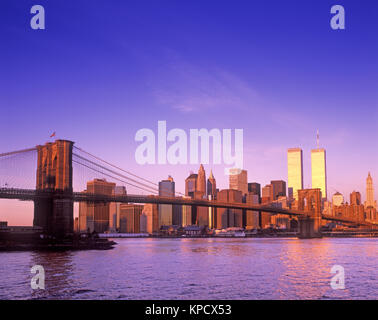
[54, 176]
[310, 201]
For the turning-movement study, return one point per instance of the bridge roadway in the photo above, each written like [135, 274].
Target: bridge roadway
[31, 195]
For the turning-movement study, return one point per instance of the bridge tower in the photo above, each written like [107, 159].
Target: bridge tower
[54, 176]
[310, 201]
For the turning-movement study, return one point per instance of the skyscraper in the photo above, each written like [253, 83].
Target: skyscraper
[370, 202]
[239, 180]
[355, 198]
[191, 185]
[95, 216]
[229, 217]
[201, 180]
[278, 189]
[295, 170]
[211, 186]
[255, 188]
[319, 171]
[166, 189]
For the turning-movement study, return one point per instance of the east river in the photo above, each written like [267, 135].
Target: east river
[207, 268]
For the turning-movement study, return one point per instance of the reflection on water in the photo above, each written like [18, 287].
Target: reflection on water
[198, 269]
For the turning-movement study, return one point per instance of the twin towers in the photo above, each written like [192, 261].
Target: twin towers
[295, 171]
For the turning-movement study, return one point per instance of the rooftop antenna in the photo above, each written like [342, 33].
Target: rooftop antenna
[317, 138]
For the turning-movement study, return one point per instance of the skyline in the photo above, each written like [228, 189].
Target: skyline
[274, 70]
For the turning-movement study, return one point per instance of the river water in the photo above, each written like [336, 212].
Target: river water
[198, 269]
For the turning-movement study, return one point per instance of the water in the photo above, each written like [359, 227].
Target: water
[198, 269]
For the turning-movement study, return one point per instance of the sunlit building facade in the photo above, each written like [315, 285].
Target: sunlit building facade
[238, 180]
[319, 171]
[295, 170]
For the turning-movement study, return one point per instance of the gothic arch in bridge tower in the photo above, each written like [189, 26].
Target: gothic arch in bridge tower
[310, 201]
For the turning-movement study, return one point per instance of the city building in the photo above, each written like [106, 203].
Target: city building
[252, 217]
[319, 171]
[166, 189]
[129, 221]
[278, 189]
[229, 217]
[150, 218]
[238, 180]
[191, 185]
[295, 171]
[370, 202]
[115, 209]
[201, 181]
[255, 188]
[211, 186]
[186, 212]
[355, 198]
[94, 217]
[266, 198]
[337, 199]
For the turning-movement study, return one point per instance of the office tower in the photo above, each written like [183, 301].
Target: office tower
[166, 189]
[186, 212]
[191, 185]
[211, 186]
[337, 199]
[238, 180]
[267, 193]
[355, 198]
[252, 217]
[229, 217]
[95, 216]
[115, 209]
[177, 215]
[319, 171]
[295, 170]
[266, 198]
[151, 213]
[129, 220]
[370, 202]
[278, 189]
[201, 180]
[255, 188]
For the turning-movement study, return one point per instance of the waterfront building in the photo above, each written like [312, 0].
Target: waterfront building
[295, 170]
[115, 209]
[252, 217]
[130, 218]
[238, 180]
[229, 217]
[151, 218]
[186, 212]
[95, 216]
[166, 189]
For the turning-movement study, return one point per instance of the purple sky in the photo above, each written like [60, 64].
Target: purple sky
[278, 71]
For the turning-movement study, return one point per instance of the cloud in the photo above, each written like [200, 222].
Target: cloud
[186, 87]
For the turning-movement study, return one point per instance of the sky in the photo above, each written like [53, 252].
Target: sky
[102, 70]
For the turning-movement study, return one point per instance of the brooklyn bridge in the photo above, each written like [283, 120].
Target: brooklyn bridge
[54, 195]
